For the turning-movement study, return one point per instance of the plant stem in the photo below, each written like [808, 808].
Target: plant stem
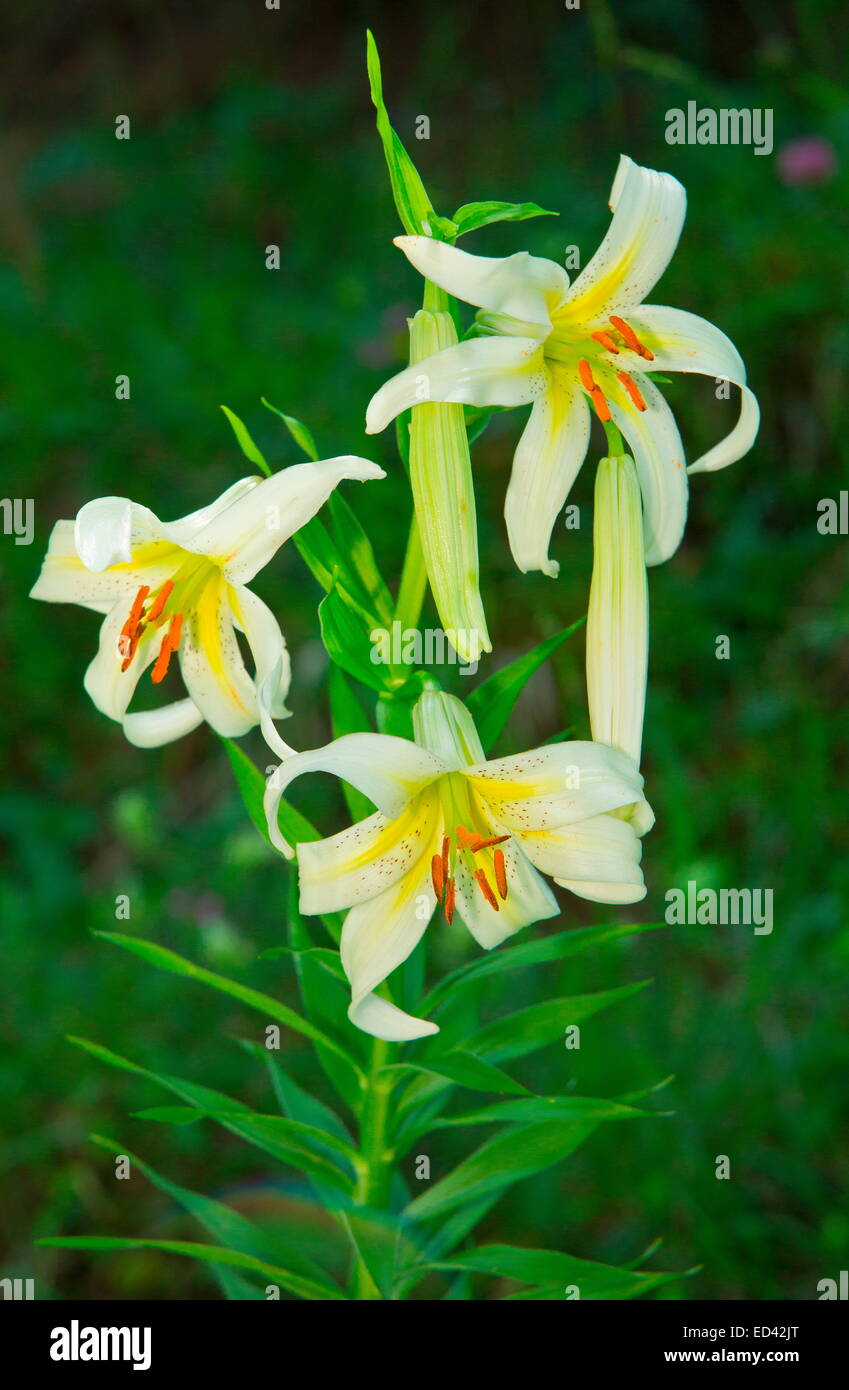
[413, 586]
[375, 1172]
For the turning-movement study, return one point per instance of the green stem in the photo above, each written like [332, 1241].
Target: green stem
[413, 586]
[375, 1167]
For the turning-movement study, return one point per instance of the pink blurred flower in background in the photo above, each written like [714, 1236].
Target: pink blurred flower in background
[806, 162]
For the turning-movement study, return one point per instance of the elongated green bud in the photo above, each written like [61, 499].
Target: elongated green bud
[618, 617]
[444, 497]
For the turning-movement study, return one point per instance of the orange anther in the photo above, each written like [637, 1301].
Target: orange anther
[633, 390]
[129, 651]
[135, 612]
[160, 601]
[160, 668]
[465, 836]
[486, 888]
[449, 901]
[586, 376]
[174, 631]
[437, 876]
[600, 405]
[631, 339]
[500, 872]
[604, 340]
[480, 843]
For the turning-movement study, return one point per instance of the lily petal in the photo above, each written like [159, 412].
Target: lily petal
[527, 288]
[245, 536]
[365, 860]
[65, 579]
[597, 858]
[550, 452]
[110, 688]
[212, 666]
[658, 452]
[481, 371]
[648, 215]
[683, 342]
[186, 527]
[376, 938]
[556, 785]
[271, 660]
[390, 771]
[150, 728]
[529, 898]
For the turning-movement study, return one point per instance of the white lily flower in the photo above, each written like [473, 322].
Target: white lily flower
[618, 617]
[179, 589]
[553, 344]
[454, 829]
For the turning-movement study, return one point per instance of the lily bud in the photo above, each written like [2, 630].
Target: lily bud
[443, 492]
[617, 621]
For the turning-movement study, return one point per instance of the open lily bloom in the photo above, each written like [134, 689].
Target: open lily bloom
[452, 829]
[179, 590]
[556, 345]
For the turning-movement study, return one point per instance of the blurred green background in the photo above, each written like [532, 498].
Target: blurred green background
[146, 257]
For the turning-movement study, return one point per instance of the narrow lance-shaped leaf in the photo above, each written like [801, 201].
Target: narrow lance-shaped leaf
[518, 1152]
[471, 216]
[491, 703]
[540, 951]
[285, 1140]
[196, 1251]
[164, 959]
[556, 1272]
[232, 1229]
[411, 200]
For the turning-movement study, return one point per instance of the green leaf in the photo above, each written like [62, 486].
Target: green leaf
[516, 1153]
[302, 436]
[356, 548]
[252, 784]
[195, 1250]
[246, 444]
[541, 951]
[321, 955]
[491, 702]
[542, 1024]
[555, 1271]
[473, 215]
[293, 826]
[326, 1000]
[346, 633]
[347, 716]
[413, 204]
[465, 1069]
[286, 1140]
[297, 1104]
[164, 959]
[169, 1114]
[376, 1239]
[229, 1227]
[530, 1108]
